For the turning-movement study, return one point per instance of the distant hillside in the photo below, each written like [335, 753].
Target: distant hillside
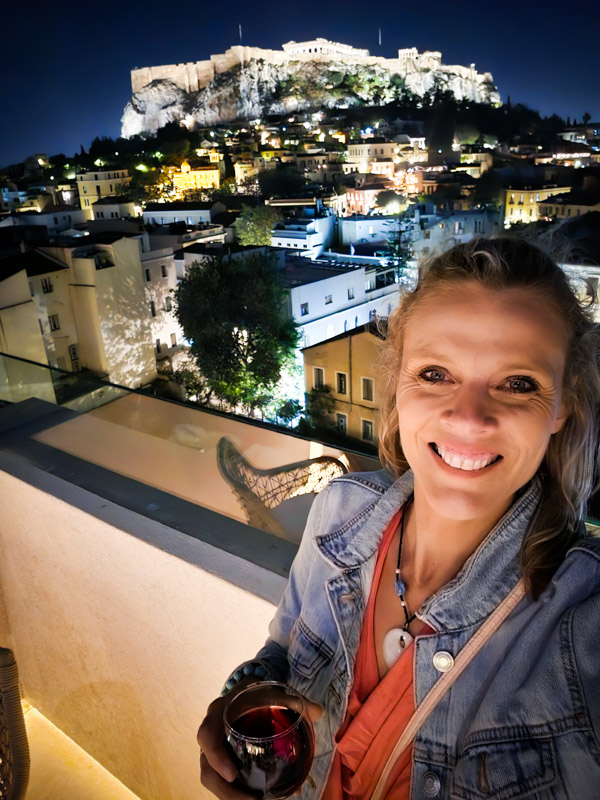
[258, 86]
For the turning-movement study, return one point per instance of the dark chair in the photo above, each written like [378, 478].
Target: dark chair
[14, 749]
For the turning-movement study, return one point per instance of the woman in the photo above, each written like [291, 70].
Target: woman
[490, 441]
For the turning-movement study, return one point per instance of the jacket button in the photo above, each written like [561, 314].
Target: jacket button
[431, 784]
[443, 661]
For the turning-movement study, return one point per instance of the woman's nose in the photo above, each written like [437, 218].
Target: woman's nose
[470, 409]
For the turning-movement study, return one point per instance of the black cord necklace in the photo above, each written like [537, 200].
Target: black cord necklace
[400, 586]
[397, 640]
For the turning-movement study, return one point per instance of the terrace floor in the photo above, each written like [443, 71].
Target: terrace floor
[61, 770]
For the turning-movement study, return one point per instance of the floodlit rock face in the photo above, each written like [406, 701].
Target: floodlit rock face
[247, 83]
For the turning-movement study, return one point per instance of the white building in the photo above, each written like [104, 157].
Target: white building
[160, 280]
[115, 208]
[328, 297]
[311, 235]
[430, 234]
[55, 219]
[363, 229]
[167, 213]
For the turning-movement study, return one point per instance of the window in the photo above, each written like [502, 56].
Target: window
[303, 309]
[158, 348]
[367, 430]
[351, 293]
[341, 379]
[47, 286]
[54, 322]
[328, 299]
[31, 292]
[173, 340]
[147, 272]
[163, 270]
[153, 308]
[318, 377]
[168, 304]
[367, 389]
[340, 421]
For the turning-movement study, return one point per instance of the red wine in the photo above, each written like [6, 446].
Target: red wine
[273, 747]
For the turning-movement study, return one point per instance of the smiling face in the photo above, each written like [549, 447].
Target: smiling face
[478, 396]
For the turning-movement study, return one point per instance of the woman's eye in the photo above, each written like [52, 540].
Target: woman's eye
[432, 375]
[520, 385]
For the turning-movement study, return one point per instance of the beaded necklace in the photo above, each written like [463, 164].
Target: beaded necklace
[397, 640]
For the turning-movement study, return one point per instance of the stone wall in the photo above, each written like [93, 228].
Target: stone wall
[192, 76]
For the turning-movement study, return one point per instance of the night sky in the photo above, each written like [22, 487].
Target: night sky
[66, 65]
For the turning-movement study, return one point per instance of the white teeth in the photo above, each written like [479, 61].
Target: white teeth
[458, 462]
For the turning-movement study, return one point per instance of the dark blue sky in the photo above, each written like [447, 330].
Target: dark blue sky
[66, 65]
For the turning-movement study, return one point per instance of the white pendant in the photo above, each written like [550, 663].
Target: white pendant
[395, 643]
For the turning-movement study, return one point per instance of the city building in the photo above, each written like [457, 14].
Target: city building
[345, 364]
[311, 235]
[90, 307]
[569, 204]
[115, 208]
[337, 293]
[189, 178]
[365, 228]
[521, 204]
[102, 182]
[55, 219]
[161, 279]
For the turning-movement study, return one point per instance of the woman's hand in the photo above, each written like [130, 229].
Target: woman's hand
[217, 770]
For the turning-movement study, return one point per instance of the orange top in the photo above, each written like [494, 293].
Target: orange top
[378, 712]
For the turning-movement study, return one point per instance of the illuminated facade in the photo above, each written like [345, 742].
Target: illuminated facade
[345, 365]
[522, 205]
[93, 186]
[187, 179]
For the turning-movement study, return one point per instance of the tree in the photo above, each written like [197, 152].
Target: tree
[280, 181]
[232, 313]
[254, 225]
[586, 118]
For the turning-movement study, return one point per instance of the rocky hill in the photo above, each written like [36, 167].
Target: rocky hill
[258, 87]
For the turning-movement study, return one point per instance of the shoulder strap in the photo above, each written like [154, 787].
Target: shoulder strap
[435, 694]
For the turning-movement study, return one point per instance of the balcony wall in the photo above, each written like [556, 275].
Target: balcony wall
[124, 628]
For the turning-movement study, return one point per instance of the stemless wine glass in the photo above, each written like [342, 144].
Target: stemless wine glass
[271, 739]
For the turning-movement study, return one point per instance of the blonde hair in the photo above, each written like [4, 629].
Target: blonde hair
[569, 471]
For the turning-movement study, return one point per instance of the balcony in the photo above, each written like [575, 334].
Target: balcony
[132, 581]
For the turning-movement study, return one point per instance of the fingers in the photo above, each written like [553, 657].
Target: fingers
[314, 711]
[210, 738]
[212, 781]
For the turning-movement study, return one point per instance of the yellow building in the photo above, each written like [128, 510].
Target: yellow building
[345, 364]
[522, 205]
[100, 183]
[187, 179]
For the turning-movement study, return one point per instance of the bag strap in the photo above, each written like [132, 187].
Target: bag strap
[439, 689]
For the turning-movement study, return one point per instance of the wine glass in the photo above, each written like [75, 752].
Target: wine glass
[270, 738]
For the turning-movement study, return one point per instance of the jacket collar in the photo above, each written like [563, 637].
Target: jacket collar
[486, 577]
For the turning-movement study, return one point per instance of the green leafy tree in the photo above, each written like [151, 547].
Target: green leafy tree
[233, 314]
[254, 225]
[289, 410]
[280, 181]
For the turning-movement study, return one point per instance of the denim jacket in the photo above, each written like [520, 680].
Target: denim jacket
[522, 721]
